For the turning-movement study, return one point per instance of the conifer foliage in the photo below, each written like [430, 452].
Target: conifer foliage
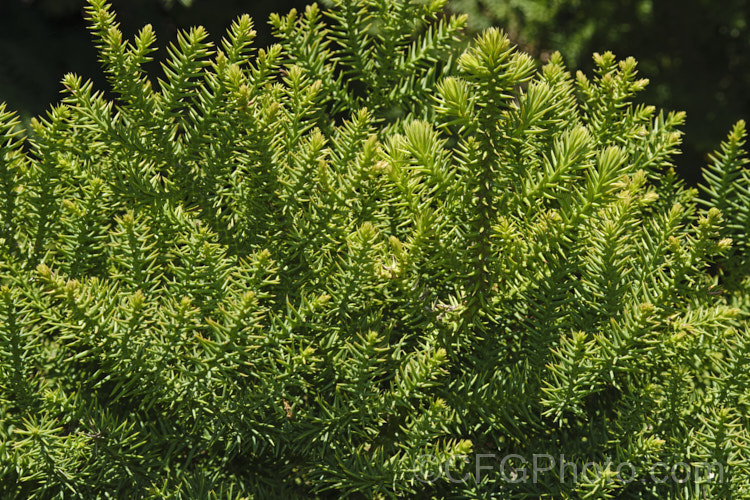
[350, 263]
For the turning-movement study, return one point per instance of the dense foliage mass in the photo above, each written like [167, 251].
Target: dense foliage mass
[698, 55]
[355, 263]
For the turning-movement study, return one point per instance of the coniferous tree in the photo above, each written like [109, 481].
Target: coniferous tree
[351, 263]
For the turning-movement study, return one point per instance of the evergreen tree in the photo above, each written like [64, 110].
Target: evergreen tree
[357, 262]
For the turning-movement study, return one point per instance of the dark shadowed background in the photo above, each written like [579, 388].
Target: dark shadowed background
[41, 40]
